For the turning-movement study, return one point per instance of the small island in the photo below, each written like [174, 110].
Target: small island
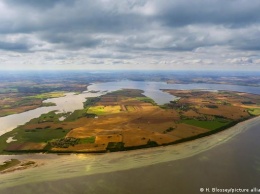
[14, 165]
[126, 119]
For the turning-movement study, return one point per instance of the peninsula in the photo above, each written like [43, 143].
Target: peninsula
[127, 119]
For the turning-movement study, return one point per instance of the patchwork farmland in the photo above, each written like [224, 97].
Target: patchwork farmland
[126, 119]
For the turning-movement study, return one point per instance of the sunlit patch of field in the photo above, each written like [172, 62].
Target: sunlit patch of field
[131, 128]
[231, 112]
[138, 137]
[82, 132]
[231, 105]
[48, 95]
[254, 111]
[183, 130]
[100, 110]
[133, 108]
[126, 119]
[101, 139]
[92, 126]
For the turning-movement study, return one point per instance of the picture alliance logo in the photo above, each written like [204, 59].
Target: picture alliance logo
[230, 190]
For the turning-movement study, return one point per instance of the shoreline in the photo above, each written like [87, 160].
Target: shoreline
[19, 165]
[184, 140]
[58, 167]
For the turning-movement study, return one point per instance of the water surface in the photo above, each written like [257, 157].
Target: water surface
[72, 102]
[228, 159]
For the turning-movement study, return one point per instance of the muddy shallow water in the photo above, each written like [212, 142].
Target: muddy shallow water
[229, 159]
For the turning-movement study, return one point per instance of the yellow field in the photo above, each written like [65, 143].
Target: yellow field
[132, 123]
[101, 110]
[101, 139]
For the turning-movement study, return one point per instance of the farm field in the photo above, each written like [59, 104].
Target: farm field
[126, 119]
[17, 98]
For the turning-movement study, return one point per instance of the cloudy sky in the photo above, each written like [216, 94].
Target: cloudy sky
[126, 34]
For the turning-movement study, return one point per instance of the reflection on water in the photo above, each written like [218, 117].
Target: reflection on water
[68, 103]
[153, 89]
[165, 166]
[72, 102]
[192, 164]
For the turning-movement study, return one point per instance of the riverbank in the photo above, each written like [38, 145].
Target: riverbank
[13, 165]
[59, 167]
[126, 120]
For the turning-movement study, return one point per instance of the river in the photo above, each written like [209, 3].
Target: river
[72, 102]
[227, 159]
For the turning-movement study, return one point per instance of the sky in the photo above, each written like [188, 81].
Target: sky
[130, 35]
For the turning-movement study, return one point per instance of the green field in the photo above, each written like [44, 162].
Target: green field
[254, 111]
[48, 117]
[76, 115]
[146, 99]
[9, 164]
[48, 95]
[211, 125]
[40, 135]
[88, 140]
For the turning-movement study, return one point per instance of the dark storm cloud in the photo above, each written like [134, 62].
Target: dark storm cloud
[21, 47]
[133, 26]
[89, 16]
[232, 13]
[42, 4]
[70, 40]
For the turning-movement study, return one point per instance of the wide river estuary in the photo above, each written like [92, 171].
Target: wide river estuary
[229, 159]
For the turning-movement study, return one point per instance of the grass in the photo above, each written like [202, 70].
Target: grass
[254, 111]
[87, 140]
[23, 102]
[91, 101]
[40, 135]
[211, 125]
[9, 164]
[35, 136]
[146, 99]
[48, 104]
[7, 113]
[128, 93]
[48, 117]
[47, 95]
[76, 115]
[101, 110]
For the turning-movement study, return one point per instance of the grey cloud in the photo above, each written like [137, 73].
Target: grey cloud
[89, 16]
[130, 30]
[42, 4]
[234, 13]
[14, 46]
[110, 55]
[252, 44]
[71, 41]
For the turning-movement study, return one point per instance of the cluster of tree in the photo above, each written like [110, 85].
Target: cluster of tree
[64, 142]
[168, 130]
